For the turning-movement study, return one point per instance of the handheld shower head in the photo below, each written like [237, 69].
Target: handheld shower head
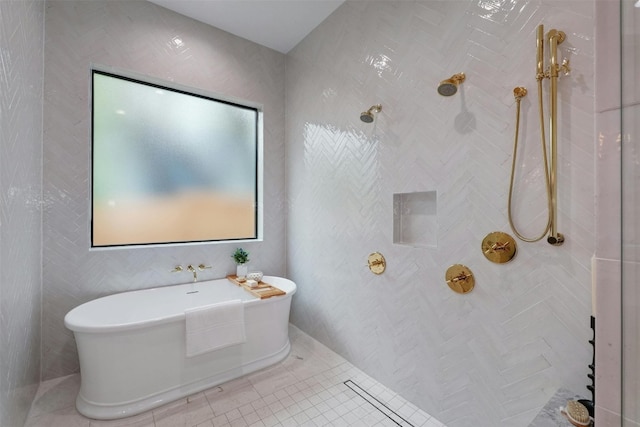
[449, 86]
[367, 116]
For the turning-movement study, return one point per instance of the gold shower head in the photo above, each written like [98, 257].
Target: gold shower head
[449, 86]
[367, 116]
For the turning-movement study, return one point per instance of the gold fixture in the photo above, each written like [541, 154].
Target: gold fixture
[519, 93]
[460, 279]
[193, 270]
[449, 86]
[377, 263]
[367, 116]
[499, 247]
[554, 38]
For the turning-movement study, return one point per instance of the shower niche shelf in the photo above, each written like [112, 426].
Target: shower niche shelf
[414, 219]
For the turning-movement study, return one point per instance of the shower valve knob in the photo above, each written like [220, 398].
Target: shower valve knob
[460, 279]
[565, 68]
[499, 247]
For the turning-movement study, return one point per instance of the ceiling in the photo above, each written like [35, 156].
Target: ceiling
[277, 24]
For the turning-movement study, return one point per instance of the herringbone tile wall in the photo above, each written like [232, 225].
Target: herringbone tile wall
[141, 37]
[495, 356]
[21, 59]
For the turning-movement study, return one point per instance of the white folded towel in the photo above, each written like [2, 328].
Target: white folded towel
[214, 326]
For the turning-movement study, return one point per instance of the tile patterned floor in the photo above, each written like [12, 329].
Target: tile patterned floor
[313, 386]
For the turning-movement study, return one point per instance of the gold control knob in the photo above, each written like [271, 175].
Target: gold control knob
[377, 263]
[460, 279]
[499, 247]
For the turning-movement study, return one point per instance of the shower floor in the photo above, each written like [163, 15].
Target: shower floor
[313, 386]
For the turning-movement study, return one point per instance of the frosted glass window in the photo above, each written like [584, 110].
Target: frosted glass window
[169, 166]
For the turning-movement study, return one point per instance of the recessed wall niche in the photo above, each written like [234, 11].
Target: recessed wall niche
[414, 219]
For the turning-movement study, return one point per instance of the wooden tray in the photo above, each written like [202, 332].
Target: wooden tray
[262, 291]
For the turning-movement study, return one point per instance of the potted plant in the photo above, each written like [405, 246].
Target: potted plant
[241, 258]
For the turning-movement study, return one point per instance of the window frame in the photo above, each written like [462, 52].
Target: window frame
[187, 91]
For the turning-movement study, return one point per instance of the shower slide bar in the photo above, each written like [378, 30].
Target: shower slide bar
[554, 38]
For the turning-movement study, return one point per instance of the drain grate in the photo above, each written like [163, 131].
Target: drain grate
[377, 404]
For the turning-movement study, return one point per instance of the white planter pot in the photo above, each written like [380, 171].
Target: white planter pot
[242, 270]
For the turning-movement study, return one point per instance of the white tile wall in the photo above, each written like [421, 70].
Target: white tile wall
[617, 241]
[607, 274]
[138, 36]
[492, 357]
[631, 213]
[463, 358]
[21, 59]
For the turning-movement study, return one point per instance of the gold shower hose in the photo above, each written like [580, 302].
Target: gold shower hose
[520, 93]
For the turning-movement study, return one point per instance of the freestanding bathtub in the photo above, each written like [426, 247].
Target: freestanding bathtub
[131, 345]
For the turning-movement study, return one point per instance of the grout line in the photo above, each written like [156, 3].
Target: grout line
[355, 387]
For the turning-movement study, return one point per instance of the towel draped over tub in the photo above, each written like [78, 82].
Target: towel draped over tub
[214, 326]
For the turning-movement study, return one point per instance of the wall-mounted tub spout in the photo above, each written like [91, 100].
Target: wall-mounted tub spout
[193, 270]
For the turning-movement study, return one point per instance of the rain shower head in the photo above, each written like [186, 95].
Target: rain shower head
[367, 116]
[450, 86]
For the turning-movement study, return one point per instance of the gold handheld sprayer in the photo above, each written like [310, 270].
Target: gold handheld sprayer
[554, 38]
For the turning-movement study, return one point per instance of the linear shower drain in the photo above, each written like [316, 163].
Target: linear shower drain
[377, 404]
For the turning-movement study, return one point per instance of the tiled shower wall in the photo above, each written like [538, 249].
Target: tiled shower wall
[147, 39]
[630, 213]
[21, 59]
[606, 263]
[495, 356]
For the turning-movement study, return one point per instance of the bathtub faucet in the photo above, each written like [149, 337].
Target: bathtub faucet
[193, 270]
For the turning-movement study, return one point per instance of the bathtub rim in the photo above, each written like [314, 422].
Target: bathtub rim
[73, 324]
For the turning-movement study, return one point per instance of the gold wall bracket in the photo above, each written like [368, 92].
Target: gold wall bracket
[519, 92]
[499, 247]
[460, 279]
[377, 263]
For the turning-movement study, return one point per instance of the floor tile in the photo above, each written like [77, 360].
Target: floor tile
[55, 394]
[188, 412]
[66, 417]
[312, 387]
[142, 420]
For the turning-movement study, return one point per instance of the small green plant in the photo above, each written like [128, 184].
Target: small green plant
[240, 256]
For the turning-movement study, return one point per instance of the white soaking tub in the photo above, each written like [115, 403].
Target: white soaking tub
[131, 345]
